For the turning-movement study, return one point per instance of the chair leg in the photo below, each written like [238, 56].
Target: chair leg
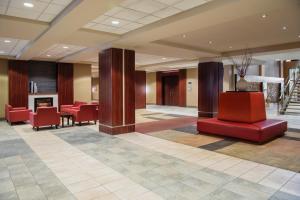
[95, 121]
[37, 128]
[79, 123]
[56, 126]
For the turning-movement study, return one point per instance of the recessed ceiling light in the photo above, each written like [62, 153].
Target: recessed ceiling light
[28, 5]
[210, 42]
[115, 22]
[48, 55]
[284, 28]
[230, 47]
[298, 36]
[7, 41]
[264, 16]
[184, 35]
[287, 60]
[164, 58]
[65, 47]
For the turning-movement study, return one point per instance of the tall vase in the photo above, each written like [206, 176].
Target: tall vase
[241, 84]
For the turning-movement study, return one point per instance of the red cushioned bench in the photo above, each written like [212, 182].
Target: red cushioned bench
[242, 115]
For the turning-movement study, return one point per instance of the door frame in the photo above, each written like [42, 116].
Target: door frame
[182, 85]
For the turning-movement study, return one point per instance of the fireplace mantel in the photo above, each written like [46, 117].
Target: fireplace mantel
[31, 98]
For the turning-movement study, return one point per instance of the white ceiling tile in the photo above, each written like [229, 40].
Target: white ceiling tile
[188, 4]
[57, 51]
[22, 13]
[89, 25]
[62, 2]
[169, 2]
[54, 9]
[13, 47]
[132, 26]
[109, 20]
[148, 19]
[38, 5]
[147, 6]
[101, 27]
[128, 2]
[100, 19]
[46, 17]
[2, 10]
[113, 11]
[129, 14]
[166, 12]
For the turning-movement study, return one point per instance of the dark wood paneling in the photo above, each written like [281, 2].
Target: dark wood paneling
[210, 85]
[181, 74]
[129, 88]
[44, 74]
[18, 83]
[65, 86]
[182, 87]
[140, 89]
[159, 88]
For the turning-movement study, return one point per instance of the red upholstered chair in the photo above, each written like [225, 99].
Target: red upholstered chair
[45, 116]
[17, 114]
[85, 113]
[74, 106]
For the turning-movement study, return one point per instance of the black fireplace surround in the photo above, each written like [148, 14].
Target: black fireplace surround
[43, 102]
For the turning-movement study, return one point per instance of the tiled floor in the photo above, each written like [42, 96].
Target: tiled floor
[81, 163]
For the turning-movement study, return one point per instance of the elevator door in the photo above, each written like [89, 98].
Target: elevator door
[171, 90]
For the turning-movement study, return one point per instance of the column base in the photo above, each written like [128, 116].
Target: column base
[207, 114]
[115, 130]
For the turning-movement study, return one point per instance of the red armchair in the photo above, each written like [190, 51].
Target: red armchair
[76, 105]
[45, 116]
[85, 113]
[19, 114]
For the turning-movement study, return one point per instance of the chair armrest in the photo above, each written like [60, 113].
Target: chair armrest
[32, 116]
[66, 106]
[19, 108]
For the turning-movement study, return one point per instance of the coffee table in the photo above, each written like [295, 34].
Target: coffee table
[67, 116]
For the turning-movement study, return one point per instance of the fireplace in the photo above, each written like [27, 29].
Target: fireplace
[43, 102]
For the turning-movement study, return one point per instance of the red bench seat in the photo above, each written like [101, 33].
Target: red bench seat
[260, 132]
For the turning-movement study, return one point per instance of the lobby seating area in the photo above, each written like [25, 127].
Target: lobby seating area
[149, 100]
[243, 115]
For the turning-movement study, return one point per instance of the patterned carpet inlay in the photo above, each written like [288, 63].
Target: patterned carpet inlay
[282, 152]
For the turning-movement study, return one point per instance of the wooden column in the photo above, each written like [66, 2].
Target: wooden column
[140, 89]
[117, 91]
[210, 85]
[18, 83]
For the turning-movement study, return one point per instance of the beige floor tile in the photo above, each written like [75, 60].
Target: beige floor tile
[258, 173]
[92, 193]
[291, 188]
[277, 178]
[82, 186]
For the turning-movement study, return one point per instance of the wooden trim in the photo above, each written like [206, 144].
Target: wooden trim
[158, 88]
[182, 88]
[129, 76]
[116, 130]
[65, 86]
[140, 89]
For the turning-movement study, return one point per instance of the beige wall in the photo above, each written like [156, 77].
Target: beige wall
[82, 82]
[151, 88]
[3, 86]
[228, 78]
[192, 87]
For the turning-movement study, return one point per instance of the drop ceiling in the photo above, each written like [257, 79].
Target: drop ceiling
[58, 51]
[11, 46]
[133, 14]
[42, 10]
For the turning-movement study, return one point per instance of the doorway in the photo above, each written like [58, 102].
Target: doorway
[170, 90]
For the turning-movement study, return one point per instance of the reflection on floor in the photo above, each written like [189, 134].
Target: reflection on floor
[81, 163]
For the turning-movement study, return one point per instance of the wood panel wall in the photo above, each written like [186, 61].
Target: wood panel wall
[210, 85]
[65, 87]
[182, 86]
[140, 89]
[18, 83]
[129, 87]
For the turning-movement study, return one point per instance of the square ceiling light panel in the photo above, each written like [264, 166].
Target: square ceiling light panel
[133, 14]
[11, 46]
[58, 51]
[41, 10]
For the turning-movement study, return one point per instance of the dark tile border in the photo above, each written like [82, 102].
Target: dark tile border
[219, 145]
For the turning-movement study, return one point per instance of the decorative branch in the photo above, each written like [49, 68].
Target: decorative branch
[242, 67]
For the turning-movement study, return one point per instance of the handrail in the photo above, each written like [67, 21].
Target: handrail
[288, 89]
